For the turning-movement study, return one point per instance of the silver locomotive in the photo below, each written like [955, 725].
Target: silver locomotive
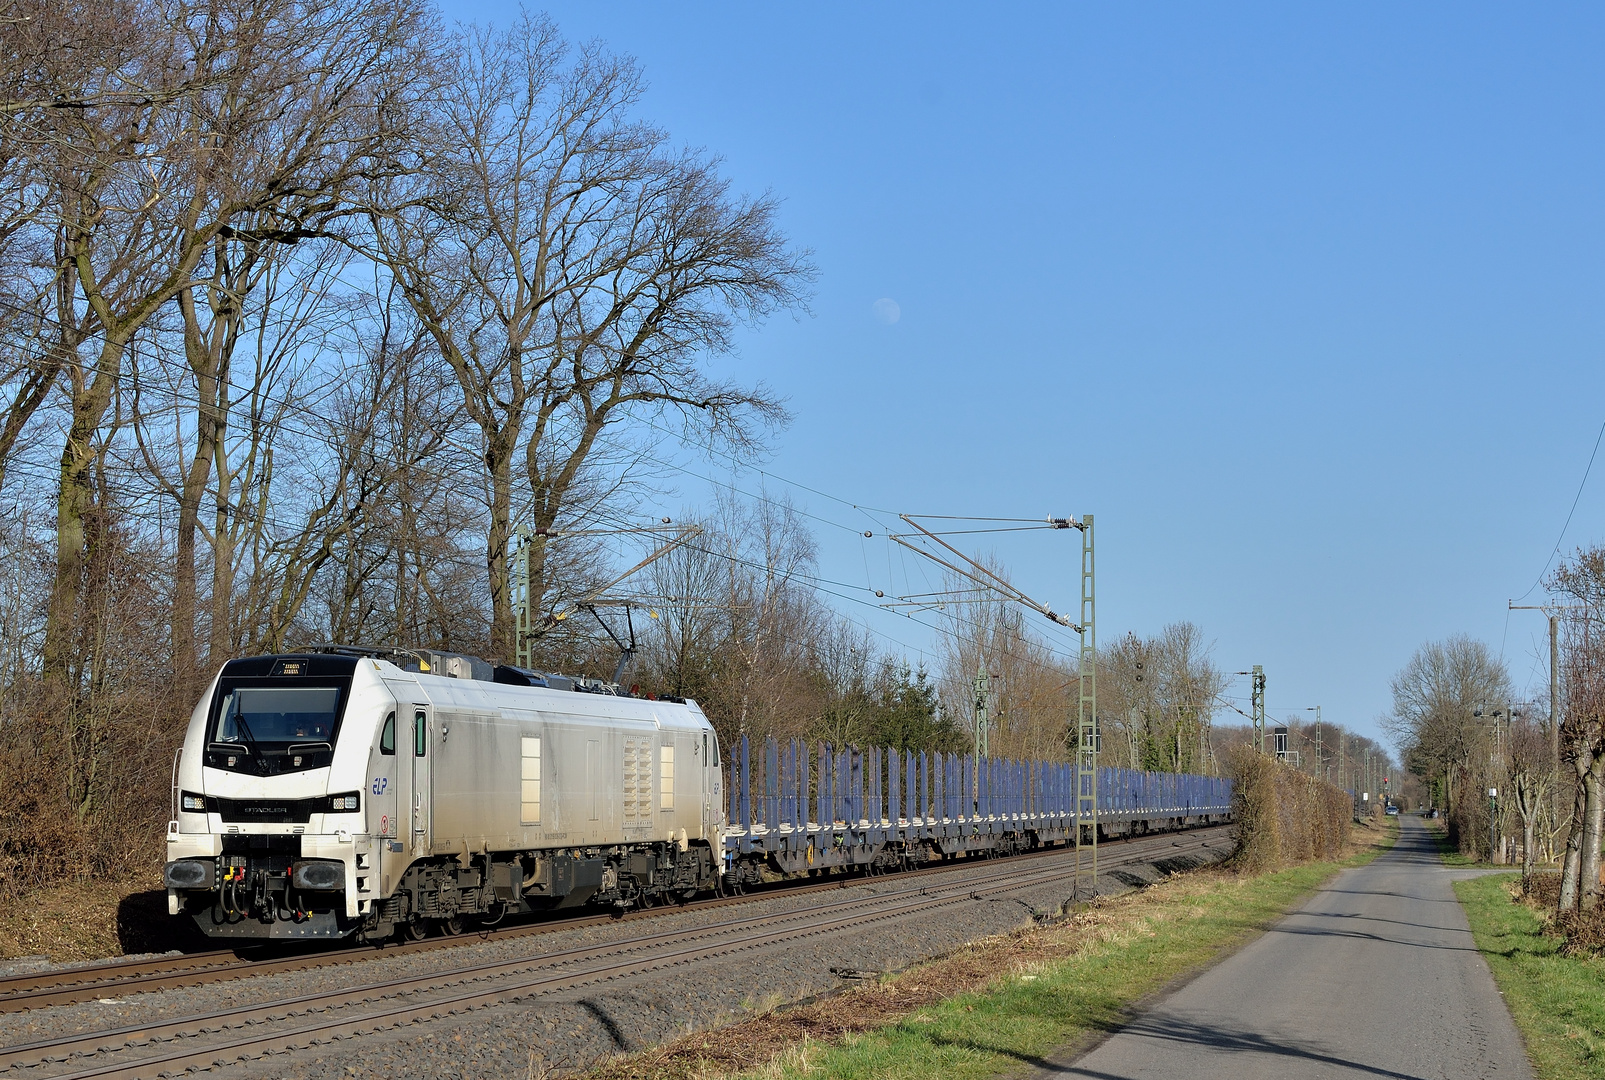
[355, 792]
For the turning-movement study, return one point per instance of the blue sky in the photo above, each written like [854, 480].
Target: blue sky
[1302, 303]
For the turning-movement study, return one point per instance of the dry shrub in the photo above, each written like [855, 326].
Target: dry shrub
[1283, 816]
[111, 825]
[1583, 931]
[1542, 890]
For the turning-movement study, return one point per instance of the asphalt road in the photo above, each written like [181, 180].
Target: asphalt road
[1376, 977]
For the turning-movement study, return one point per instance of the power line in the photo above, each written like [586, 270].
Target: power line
[282, 424]
[1563, 528]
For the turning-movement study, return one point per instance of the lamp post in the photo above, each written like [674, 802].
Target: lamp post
[1320, 747]
[1496, 759]
[1493, 828]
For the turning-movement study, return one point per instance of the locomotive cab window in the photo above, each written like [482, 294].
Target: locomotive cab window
[267, 727]
[387, 737]
[420, 733]
[272, 715]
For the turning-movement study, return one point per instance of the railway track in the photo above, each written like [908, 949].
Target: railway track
[239, 1032]
[72, 986]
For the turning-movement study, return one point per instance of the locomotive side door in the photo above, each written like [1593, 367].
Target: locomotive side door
[711, 786]
[420, 780]
[385, 800]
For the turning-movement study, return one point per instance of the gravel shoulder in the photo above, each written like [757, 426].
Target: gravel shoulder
[563, 1031]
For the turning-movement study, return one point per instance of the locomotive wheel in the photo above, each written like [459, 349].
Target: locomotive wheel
[452, 926]
[413, 931]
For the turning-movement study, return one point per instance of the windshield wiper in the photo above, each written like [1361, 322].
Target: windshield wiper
[241, 726]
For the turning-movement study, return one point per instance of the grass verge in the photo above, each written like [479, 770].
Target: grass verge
[1557, 1001]
[1008, 1000]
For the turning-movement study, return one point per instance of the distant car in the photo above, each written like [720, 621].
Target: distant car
[1392, 811]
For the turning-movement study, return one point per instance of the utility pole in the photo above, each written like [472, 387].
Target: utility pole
[1086, 730]
[1320, 747]
[524, 613]
[1257, 698]
[983, 720]
[1554, 701]
[1087, 713]
[528, 624]
[1554, 690]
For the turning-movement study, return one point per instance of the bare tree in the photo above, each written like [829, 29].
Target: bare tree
[1435, 698]
[688, 584]
[1159, 696]
[573, 272]
[186, 124]
[1582, 727]
[1530, 777]
[1030, 684]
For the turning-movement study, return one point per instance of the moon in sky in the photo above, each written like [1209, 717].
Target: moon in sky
[887, 311]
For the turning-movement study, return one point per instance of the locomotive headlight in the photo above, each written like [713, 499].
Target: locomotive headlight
[190, 874]
[318, 874]
[195, 804]
[345, 802]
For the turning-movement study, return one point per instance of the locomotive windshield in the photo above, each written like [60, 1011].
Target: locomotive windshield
[262, 726]
[278, 715]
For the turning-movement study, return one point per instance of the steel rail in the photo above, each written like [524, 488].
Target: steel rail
[577, 967]
[92, 976]
[27, 992]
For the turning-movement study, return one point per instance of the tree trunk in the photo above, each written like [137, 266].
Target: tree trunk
[1594, 817]
[208, 360]
[1571, 864]
[498, 460]
[222, 644]
[1529, 836]
[74, 502]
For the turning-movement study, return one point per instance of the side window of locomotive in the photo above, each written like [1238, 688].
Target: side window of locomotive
[387, 737]
[420, 733]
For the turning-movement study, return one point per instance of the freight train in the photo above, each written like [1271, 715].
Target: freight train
[354, 792]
